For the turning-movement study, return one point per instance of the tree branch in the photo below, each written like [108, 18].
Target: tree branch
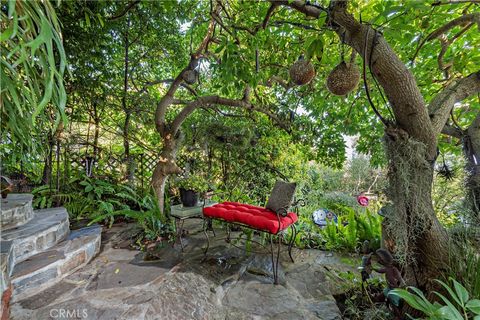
[296, 24]
[463, 20]
[124, 12]
[440, 3]
[213, 101]
[269, 14]
[452, 131]
[167, 99]
[204, 102]
[441, 105]
[286, 85]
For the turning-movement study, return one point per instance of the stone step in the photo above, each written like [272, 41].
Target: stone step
[6, 264]
[16, 210]
[47, 228]
[47, 268]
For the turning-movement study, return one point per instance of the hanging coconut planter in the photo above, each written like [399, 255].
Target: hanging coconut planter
[344, 78]
[302, 72]
[190, 76]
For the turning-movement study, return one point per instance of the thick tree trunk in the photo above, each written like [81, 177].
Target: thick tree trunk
[165, 167]
[471, 148]
[420, 241]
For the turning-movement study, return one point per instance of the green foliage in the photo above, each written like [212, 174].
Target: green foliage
[457, 306]
[103, 202]
[352, 230]
[33, 63]
[193, 182]
[464, 258]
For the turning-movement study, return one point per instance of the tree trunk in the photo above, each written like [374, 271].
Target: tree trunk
[128, 112]
[48, 161]
[165, 167]
[130, 164]
[96, 120]
[420, 242]
[471, 148]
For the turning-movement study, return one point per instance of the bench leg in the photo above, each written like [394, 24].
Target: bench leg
[279, 242]
[275, 257]
[205, 227]
[292, 241]
[273, 260]
[179, 232]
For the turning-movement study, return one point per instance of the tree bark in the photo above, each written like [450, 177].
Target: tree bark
[126, 110]
[471, 148]
[419, 239]
[96, 120]
[166, 166]
[48, 161]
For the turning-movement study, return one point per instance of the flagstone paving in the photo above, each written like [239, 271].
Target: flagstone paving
[226, 284]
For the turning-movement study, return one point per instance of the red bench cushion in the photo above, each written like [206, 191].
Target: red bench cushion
[256, 217]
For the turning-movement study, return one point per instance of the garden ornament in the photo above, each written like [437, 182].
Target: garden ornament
[362, 200]
[393, 278]
[366, 268]
[322, 216]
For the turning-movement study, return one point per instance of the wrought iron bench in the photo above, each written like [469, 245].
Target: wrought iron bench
[259, 219]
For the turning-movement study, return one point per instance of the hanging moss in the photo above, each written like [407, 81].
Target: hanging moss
[408, 217]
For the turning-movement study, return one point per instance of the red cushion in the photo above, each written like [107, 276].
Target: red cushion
[256, 217]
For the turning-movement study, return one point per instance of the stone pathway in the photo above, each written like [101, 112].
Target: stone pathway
[227, 284]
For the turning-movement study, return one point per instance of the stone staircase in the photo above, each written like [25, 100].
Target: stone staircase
[37, 248]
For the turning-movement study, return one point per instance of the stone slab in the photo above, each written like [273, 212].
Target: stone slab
[16, 209]
[37, 262]
[46, 229]
[6, 264]
[47, 268]
[48, 296]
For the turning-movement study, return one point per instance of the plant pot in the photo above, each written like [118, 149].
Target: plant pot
[189, 198]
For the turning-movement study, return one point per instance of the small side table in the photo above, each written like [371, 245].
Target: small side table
[181, 213]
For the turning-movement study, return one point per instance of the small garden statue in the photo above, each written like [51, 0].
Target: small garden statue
[393, 276]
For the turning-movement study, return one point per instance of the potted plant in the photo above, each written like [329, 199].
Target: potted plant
[190, 188]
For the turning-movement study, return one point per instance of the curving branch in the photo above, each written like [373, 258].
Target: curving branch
[214, 101]
[461, 21]
[168, 98]
[269, 14]
[279, 80]
[124, 11]
[263, 25]
[441, 105]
